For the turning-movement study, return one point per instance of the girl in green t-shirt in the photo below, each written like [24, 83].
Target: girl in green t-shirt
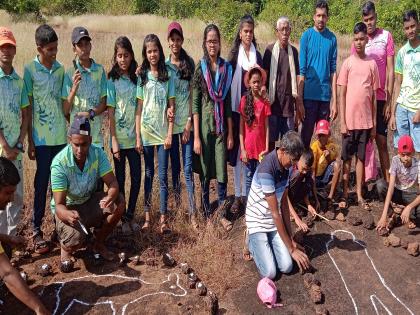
[156, 102]
[182, 67]
[122, 105]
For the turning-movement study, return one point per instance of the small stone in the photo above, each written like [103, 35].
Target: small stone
[368, 221]
[353, 220]
[340, 217]
[321, 310]
[185, 268]
[24, 276]
[168, 260]
[383, 232]
[66, 266]
[135, 260]
[404, 243]
[191, 284]
[330, 215]
[45, 270]
[123, 258]
[308, 279]
[315, 293]
[201, 289]
[387, 243]
[395, 241]
[212, 303]
[192, 276]
[413, 249]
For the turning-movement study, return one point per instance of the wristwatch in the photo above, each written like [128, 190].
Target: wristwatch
[91, 114]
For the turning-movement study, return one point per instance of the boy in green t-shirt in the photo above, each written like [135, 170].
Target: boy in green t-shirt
[47, 133]
[14, 118]
[84, 89]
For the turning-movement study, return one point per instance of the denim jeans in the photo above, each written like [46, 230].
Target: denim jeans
[250, 167]
[205, 196]
[187, 154]
[278, 126]
[149, 172]
[134, 161]
[405, 126]
[314, 112]
[270, 254]
[44, 154]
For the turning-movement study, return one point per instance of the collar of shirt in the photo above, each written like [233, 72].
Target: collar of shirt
[72, 162]
[40, 67]
[11, 76]
[93, 66]
[411, 49]
[171, 65]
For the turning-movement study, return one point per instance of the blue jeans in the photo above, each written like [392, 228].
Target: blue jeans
[205, 196]
[278, 126]
[187, 154]
[134, 161]
[405, 126]
[251, 167]
[314, 112]
[149, 166]
[270, 254]
[44, 154]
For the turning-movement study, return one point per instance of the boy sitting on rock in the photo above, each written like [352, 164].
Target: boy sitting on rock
[403, 188]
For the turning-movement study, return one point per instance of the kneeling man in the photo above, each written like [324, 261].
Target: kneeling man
[76, 204]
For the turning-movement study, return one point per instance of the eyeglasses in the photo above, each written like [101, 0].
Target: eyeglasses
[212, 42]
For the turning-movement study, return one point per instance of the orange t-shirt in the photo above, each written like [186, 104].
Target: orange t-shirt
[361, 76]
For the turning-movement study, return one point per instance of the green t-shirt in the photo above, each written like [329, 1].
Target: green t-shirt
[13, 98]
[155, 96]
[91, 89]
[121, 95]
[182, 98]
[79, 185]
[44, 85]
[408, 65]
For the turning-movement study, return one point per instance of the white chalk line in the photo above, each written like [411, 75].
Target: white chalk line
[374, 267]
[108, 302]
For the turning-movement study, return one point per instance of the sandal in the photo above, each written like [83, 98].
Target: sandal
[364, 205]
[411, 225]
[40, 245]
[227, 225]
[236, 206]
[343, 204]
[146, 226]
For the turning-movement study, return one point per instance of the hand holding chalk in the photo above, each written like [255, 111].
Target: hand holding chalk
[107, 202]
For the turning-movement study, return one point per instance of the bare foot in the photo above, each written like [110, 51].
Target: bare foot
[103, 251]
[65, 255]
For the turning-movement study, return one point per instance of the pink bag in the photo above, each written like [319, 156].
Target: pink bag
[371, 171]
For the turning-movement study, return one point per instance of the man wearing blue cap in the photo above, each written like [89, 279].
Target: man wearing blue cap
[76, 204]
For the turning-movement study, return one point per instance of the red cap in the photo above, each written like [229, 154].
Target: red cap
[405, 144]
[6, 37]
[175, 26]
[322, 127]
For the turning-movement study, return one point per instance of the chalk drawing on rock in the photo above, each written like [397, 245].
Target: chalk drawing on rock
[63, 304]
[374, 299]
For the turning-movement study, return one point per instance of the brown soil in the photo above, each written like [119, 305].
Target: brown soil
[216, 257]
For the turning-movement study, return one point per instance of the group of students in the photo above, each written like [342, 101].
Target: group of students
[240, 111]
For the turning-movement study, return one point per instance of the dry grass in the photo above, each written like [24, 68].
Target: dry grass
[209, 251]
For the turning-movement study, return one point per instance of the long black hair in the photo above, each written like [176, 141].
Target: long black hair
[249, 109]
[186, 64]
[234, 52]
[145, 66]
[115, 73]
[199, 80]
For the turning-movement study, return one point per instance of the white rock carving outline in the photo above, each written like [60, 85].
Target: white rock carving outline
[111, 303]
[382, 280]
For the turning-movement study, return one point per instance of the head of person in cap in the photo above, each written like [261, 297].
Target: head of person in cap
[322, 131]
[406, 150]
[81, 42]
[77, 206]
[7, 49]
